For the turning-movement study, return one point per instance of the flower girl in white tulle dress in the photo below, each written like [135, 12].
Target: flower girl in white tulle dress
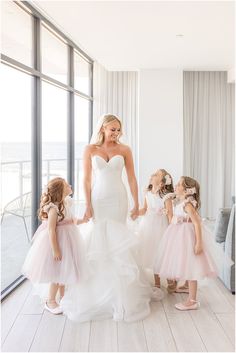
[56, 256]
[157, 214]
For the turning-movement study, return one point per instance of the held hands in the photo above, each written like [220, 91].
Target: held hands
[78, 221]
[85, 219]
[134, 213]
[88, 213]
[198, 248]
[142, 211]
[57, 254]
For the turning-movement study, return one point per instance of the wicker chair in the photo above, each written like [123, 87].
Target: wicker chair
[19, 207]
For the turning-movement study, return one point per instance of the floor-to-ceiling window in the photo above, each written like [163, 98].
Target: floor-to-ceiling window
[46, 112]
[15, 171]
[83, 109]
[54, 132]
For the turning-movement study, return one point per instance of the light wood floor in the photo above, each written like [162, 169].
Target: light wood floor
[27, 327]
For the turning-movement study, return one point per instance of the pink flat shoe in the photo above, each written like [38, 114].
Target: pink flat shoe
[182, 307]
[56, 311]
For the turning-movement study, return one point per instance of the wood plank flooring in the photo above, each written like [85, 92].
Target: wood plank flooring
[27, 327]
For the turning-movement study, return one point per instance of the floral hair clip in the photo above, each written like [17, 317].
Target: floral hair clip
[191, 191]
[168, 179]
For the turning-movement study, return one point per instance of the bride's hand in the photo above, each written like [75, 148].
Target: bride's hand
[88, 212]
[134, 213]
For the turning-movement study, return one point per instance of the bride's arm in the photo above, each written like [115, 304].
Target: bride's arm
[143, 210]
[129, 165]
[87, 181]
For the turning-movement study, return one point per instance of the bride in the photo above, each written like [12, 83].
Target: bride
[115, 286]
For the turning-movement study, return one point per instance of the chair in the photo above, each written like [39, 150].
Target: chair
[20, 207]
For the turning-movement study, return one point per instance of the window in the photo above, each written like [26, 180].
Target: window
[54, 56]
[82, 113]
[17, 33]
[37, 104]
[54, 132]
[82, 74]
[15, 172]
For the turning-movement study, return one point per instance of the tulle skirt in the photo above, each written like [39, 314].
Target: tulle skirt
[40, 266]
[176, 258]
[116, 287]
[151, 229]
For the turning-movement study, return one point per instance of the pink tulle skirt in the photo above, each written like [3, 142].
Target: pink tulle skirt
[40, 266]
[176, 258]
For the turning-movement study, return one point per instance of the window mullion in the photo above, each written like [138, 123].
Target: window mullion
[36, 127]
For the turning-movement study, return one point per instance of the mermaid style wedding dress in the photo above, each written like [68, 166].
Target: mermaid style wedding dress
[114, 286]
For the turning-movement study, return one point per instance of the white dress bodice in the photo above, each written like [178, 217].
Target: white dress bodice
[154, 202]
[109, 196]
[179, 213]
[179, 210]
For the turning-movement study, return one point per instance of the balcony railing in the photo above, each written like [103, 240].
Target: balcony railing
[19, 186]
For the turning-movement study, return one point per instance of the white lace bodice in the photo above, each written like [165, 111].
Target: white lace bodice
[179, 213]
[179, 208]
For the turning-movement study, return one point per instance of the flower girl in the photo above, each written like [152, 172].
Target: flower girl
[55, 257]
[183, 253]
[157, 214]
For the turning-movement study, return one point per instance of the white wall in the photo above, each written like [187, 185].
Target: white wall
[160, 123]
[231, 75]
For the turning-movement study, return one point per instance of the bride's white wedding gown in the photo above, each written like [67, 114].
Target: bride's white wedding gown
[115, 286]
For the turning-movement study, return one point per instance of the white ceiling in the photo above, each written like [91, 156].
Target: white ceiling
[131, 35]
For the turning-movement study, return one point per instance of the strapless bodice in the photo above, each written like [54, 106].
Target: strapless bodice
[109, 196]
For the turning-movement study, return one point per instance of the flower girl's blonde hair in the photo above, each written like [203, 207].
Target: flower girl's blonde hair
[167, 182]
[54, 192]
[192, 189]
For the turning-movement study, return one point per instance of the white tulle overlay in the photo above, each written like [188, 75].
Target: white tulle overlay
[116, 286]
[151, 229]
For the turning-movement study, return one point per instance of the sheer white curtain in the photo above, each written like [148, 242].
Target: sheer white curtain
[116, 92]
[209, 137]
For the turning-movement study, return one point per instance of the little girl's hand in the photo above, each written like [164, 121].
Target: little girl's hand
[78, 221]
[85, 219]
[57, 255]
[198, 248]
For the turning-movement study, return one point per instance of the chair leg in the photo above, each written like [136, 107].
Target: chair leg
[26, 229]
[2, 217]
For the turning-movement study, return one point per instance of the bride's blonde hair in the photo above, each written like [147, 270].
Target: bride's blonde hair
[98, 136]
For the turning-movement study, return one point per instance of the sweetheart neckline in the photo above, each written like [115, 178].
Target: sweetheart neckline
[116, 155]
